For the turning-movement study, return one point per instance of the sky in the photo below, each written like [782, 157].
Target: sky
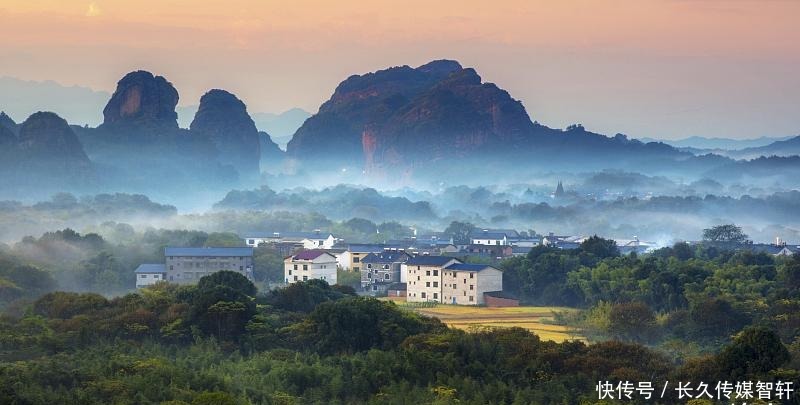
[647, 68]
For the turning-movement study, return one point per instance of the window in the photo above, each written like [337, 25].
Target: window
[436, 272]
[171, 268]
[435, 295]
[427, 284]
[295, 278]
[465, 293]
[356, 268]
[386, 277]
[465, 281]
[422, 295]
[369, 266]
[454, 286]
[369, 275]
[471, 298]
[374, 288]
[305, 278]
[471, 275]
[305, 267]
[418, 278]
[295, 267]
[418, 268]
[290, 272]
[435, 283]
[356, 260]
[142, 276]
[471, 287]
[241, 268]
[251, 242]
[428, 273]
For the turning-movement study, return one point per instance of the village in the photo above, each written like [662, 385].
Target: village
[430, 268]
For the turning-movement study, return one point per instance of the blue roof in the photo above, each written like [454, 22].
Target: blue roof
[209, 251]
[384, 257]
[151, 268]
[366, 247]
[423, 260]
[468, 267]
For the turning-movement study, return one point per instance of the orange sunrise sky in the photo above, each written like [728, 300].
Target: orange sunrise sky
[661, 68]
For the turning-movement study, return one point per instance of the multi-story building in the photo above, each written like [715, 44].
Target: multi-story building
[310, 264]
[350, 260]
[380, 270]
[465, 284]
[188, 265]
[424, 277]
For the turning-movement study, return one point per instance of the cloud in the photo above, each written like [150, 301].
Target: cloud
[93, 10]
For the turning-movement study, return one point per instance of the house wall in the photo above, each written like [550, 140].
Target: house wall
[379, 275]
[322, 268]
[467, 287]
[500, 302]
[189, 269]
[424, 283]
[146, 279]
[489, 279]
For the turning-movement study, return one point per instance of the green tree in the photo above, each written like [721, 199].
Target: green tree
[599, 247]
[459, 231]
[724, 234]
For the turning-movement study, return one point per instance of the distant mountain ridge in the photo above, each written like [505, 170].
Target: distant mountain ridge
[709, 144]
[405, 119]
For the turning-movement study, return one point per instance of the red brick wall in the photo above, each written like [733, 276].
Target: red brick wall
[500, 302]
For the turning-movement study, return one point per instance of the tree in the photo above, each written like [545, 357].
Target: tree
[224, 298]
[754, 352]
[724, 234]
[599, 247]
[632, 321]
[459, 231]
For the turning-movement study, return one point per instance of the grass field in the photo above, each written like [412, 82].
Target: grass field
[538, 320]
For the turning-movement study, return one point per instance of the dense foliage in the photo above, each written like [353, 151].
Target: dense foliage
[220, 343]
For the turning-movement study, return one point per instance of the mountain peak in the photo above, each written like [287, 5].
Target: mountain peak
[142, 100]
[440, 66]
[223, 118]
[46, 135]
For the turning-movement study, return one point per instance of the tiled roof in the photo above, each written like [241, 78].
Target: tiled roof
[309, 254]
[151, 268]
[423, 260]
[384, 257]
[366, 247]
[467, 267]
[209, 251]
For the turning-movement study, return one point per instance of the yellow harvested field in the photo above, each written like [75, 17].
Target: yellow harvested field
[538, 320]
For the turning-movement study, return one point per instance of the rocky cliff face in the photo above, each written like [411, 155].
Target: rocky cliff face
[45, 139]
[404, 115]
[223, 118]
[142, 100]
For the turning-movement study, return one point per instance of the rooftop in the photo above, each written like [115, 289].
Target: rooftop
[151, 268]
[208, 251]
[309, 254]
[385, 257]
[468, 267]
[423, 260]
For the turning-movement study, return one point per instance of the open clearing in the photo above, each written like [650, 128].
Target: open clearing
[538, 320]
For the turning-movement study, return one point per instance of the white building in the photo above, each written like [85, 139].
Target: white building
[310, 264]
[465, 284]
[149, 274]
[310, 240]
[424, 277]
